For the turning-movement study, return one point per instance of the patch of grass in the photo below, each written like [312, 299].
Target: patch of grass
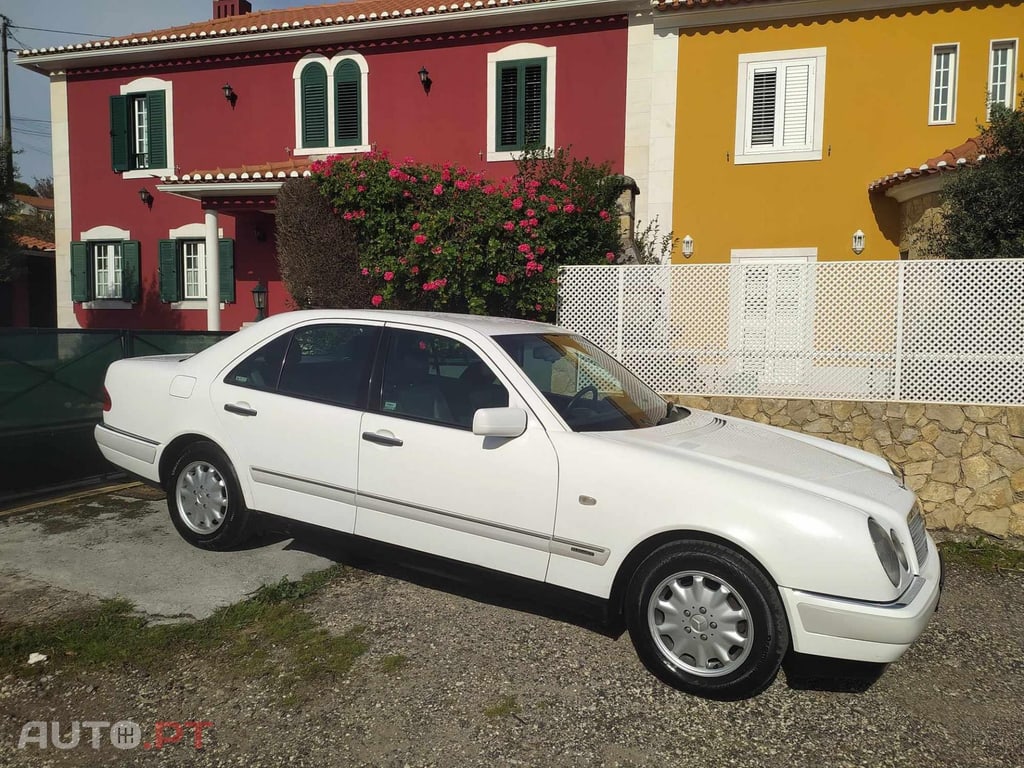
[393, 663]
[503, 708]
[268, 635]
[982, 553]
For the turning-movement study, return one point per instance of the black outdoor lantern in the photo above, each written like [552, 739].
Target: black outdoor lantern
[425, 80]
[229, 93]
[259, 298]
[146, 197]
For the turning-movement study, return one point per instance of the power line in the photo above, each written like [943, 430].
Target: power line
[17, 119]
[60, 31]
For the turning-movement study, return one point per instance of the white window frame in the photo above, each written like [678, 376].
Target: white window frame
[1010, 99]
[364, 113]
[516, 52]
[197, 271]
[954, 74]
[98, 235]
[139, 86]
[196, 231]
[745, 153]
[107, 269]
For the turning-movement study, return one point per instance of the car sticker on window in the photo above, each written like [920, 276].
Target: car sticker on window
[390, 406]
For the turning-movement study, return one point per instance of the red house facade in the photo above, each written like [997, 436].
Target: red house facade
[170, 147]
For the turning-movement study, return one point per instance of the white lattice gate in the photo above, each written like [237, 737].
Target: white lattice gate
[920, 331]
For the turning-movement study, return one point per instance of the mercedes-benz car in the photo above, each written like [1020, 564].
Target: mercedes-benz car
[721, 544]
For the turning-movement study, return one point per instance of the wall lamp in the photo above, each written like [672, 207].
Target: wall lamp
[146, 197]
[229, 94]
[857, 242]
[425, 80]
[259, 298]
[687, 246]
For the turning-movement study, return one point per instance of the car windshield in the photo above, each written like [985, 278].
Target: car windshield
[590, 389]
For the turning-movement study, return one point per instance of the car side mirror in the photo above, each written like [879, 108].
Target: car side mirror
[499, 422]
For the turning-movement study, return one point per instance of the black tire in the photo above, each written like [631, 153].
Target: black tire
[732, 654]
[205, 501]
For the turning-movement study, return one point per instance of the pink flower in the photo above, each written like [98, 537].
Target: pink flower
[530, 213]
[420, 239]
[500, 279]
[365, 272]
[402, 260]
[414, 270]
[377, 300]
[462, 185]
[509, 226]
[570, 208]
[442, 281]
[436, 250]
[533, 222]
[538, 307]
[438, 189]
[389, 276]
[517, 203]
[407, 193]
[533, 267]
[540, 250]
[489, 189]
[524, 248]
[360, 188]
[446, 175]
[416, 227]
[394, 173]
[552, 208]
[610, 256]
[604, 215]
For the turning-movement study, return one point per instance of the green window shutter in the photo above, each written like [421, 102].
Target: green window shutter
[170, 288]
[119, 133]
[226, 259]
[79, 271]
[313, 84]
[348, 123]
[534, 103]
[507, 107]
[131, 279]
[156, 106]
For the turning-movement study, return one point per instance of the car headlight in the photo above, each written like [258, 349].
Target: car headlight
[901, 553]
[887, 550]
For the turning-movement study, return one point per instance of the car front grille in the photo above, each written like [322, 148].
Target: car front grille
[919, 536]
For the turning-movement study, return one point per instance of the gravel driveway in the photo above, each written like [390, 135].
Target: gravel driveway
[463, 672]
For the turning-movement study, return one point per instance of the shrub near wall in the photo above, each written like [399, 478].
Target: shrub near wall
[965, 462]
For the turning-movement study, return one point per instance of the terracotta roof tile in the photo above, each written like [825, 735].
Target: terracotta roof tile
[968, 153]
[42, 203]
[34, 243]
[327, 14]
[284, 169]
[675, 5]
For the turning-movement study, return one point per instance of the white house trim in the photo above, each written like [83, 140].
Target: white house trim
[62, 235]
[141, 85]
[516, 52]
[102, 232]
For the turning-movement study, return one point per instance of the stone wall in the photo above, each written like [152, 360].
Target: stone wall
[965, 462]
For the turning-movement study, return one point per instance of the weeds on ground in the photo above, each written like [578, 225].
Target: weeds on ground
[267, 635]
[503, 708]
[393, 663]
[982, 553]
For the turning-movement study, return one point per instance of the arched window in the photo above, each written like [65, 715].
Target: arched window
[348, 104]
[331, 104]
[313, 83]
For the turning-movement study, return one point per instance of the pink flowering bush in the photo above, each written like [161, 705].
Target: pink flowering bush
[446, 238]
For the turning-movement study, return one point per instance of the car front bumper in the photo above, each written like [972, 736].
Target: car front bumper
[864, 631]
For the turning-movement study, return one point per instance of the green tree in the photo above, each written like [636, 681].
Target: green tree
[10, 258]
[983, 214]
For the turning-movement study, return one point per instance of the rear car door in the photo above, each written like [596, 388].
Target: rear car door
[428, 483]
[290, 413]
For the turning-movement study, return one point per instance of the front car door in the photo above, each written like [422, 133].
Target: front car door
[427, 482]
[291, 411]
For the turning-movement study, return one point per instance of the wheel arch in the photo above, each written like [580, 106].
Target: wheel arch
[170, 455]
[639, 553]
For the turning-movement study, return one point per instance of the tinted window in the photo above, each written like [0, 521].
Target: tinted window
[260, 369]
[436, 378]
[330, 363]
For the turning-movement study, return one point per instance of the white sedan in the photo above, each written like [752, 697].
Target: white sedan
[720, 543]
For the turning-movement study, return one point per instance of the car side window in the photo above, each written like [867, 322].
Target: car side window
[436, 378]
[261, 369]
[330, 363]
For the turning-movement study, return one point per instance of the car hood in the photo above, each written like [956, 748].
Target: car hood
[810, 464]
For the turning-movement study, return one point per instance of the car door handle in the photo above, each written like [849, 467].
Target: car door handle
[240, 408]
[379, 439]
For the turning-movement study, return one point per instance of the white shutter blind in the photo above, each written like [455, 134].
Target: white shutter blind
[796, 119]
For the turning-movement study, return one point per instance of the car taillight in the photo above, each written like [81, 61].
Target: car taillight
[106, 400]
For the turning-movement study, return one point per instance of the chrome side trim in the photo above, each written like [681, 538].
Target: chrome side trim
[588, 553]
[917, 583]
[303, 485]
[139, 448]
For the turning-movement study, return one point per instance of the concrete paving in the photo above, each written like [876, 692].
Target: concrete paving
[121, 546]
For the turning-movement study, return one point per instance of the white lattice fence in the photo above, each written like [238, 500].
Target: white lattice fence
[914, 331]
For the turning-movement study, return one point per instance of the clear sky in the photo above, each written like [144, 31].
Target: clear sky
[30, 98]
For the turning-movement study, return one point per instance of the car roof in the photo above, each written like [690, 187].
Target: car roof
[482, 324]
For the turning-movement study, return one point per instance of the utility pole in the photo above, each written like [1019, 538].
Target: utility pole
[8, 147]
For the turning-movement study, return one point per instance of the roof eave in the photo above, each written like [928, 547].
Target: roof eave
[204, 190]
[557, 10]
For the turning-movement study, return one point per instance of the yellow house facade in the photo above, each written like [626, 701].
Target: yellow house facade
[784, 112]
